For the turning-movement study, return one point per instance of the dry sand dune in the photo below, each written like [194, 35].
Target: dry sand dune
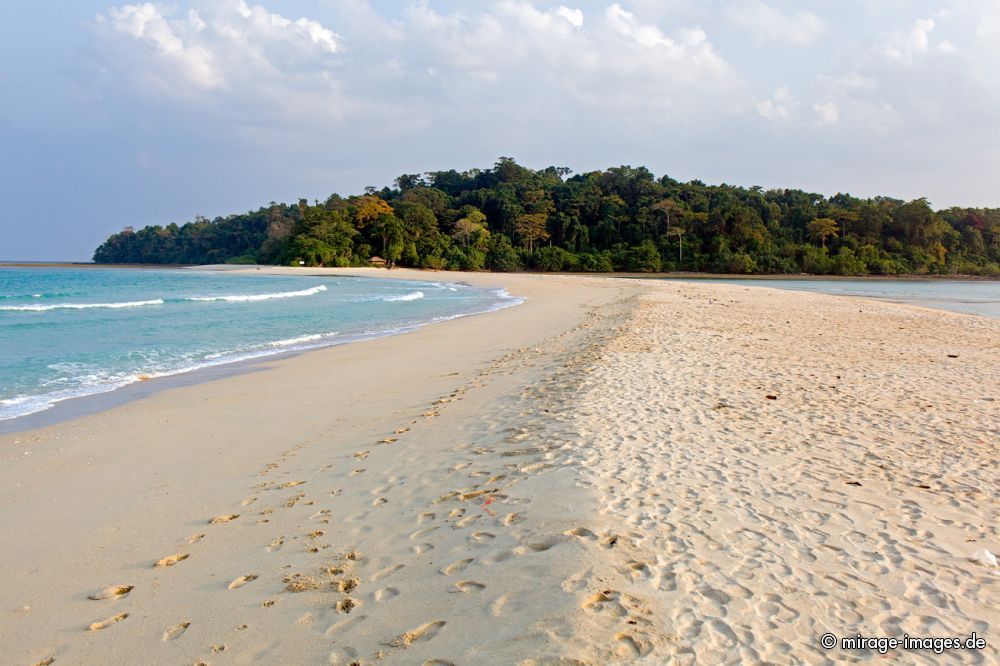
[596, 476]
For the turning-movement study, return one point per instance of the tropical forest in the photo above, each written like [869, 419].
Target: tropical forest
[513, 218]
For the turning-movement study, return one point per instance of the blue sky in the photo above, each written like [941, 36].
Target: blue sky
[116, 113]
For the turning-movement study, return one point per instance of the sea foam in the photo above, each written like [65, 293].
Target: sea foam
[79, 306]
[412, 296]
[312, 291]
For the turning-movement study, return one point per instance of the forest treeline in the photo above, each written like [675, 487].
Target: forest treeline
[510, 218]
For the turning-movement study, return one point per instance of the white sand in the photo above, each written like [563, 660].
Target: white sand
[595, 475]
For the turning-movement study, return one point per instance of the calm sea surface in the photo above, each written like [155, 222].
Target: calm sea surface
[967, 296]
[66, 332]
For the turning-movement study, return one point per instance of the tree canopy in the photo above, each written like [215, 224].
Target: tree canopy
[510, 217]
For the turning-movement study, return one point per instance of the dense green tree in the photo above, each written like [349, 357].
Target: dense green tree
[509, 217]
[822, 228]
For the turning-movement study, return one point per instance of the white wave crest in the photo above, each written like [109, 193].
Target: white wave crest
[79, 306]
[412, 296]
[312, 291]
[290, 342]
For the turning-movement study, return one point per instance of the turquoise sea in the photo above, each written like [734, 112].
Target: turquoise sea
[68, 332]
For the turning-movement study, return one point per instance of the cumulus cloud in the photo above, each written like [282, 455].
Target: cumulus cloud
[409, 71]
[906, 44]
[211, 47]
[780, 107]
[160, 41]
[581, 80]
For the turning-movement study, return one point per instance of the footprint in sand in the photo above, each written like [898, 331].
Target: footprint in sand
[609, 541]
[104, 624]
[469, 586]
[345, 624]
[426, 517]
[607, 601]
[577, 582]
[447, 496]
[276, 544]
[482, 537]
[419, 534]
[422, 548]
[421, 634]
[468, 520]
[195, 538]
[292, 484]
[224, 519]
[347, 585]
[346, 605]
[582, 533]
[631, 647]
[175, 631]
[248, 501]
[388, 571]
[241, 581]
[457, 566]
[539, 547]
[113, 592]
[513, 518]
[385, 593]
[497, 607]
[638, 570]
[171, 560]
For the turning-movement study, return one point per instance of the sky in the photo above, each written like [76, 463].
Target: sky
[116, 114]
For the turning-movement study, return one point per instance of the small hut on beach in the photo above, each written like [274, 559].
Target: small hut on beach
[377, 262]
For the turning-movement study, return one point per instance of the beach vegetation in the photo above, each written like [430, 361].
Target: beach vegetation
[510, 218]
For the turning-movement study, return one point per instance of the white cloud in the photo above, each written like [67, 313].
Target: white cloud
[780, 108]
[905, 45]
[160, 41]
[826, 112]
[213, 46]
[765, 22]
[574, 16]
[629, 79]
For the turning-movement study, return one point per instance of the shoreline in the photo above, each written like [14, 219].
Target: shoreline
[70, 408]
[98, 401]
[75, 407]
[693, 275]
[339, 418]
[598, 474]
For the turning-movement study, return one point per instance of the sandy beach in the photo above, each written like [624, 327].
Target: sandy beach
[616, 471]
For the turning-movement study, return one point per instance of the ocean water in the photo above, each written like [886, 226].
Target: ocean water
[965, 296]
[67, 332]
